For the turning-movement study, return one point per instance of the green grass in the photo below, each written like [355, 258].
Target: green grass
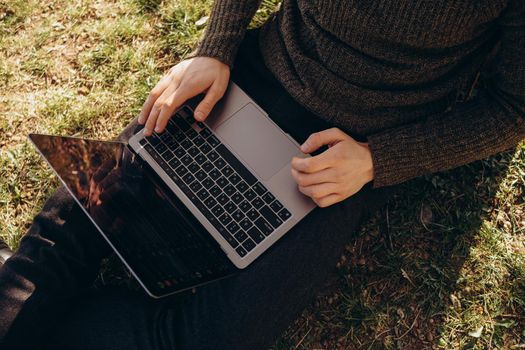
[442, 266]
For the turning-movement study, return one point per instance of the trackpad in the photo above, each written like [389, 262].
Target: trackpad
[257, 141]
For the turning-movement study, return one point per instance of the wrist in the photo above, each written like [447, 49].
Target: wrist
[368, 163]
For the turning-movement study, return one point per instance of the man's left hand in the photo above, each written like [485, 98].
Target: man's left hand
[337, 173]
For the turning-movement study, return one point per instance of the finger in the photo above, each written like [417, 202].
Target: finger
[321, 138]
[320, 162]
[152, 97]
[328, 200]
[319, 191]
[161, 103]
[214, 94]
[306, 179]
[173, 102]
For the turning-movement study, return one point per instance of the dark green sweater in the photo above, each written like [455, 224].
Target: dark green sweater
[391, 71]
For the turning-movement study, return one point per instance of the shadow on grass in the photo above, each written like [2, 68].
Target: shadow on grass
[402, 277]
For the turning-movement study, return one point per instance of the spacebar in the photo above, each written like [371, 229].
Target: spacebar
[236, 164]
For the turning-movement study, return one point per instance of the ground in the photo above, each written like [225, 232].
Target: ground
[441, 267]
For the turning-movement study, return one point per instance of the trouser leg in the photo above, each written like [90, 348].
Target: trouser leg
[56, 261]
[247, 311]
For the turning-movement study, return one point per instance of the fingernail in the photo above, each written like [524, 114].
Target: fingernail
[304, 147]
[199, 115]
[158, 129]
[146, 131]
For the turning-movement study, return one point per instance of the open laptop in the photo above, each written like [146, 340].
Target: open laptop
[192, 204]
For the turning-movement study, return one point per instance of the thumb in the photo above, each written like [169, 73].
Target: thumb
[321, 138]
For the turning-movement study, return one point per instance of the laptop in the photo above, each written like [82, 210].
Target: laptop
[193, 204]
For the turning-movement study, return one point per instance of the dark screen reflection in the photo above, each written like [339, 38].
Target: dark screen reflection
[155, 234]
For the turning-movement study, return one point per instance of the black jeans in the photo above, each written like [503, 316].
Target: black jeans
[44, 288]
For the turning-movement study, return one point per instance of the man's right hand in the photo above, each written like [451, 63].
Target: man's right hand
[184, 81]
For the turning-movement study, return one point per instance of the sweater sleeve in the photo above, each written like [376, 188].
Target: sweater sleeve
[228, 22]
[488, 124]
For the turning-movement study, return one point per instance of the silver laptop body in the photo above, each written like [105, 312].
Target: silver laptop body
[265, 150]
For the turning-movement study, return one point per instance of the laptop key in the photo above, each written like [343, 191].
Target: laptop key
[205, 148]
[230, 207]
[181, 170]
[227, 171]
[276, 206]
[242, 186]
[208, 182]
[160, 148]
[225, 219]
[213, 156]
[233, 227]
[257, 202]
[284, 214]
[234, 179]
[174, 163]
[191, 133]
[237, 198]
[201, 175]
[203, 194]
[215, 191]
[221, 181]
[205, 132]
[246, 224]
[236, 164]
[188, 178]
[250, 195]
[223, 199]
[229, 190]
[186, 160]
[180, 152]
[241, 251]
[252, 214]
[193, 167]
[210, 202]
[238, 215]
[256, 235]
[193, 151]
[219, 163]
[213, 141]
[217, 210]
[207, 166]
[186, 144]
[200, 158]
[248, 245]
[215, 174]
[245, 206]
[240, 236]
[268, 197]
[264, 226]
[259, 188]
[199, 141]
[195, 186]
[270, 216]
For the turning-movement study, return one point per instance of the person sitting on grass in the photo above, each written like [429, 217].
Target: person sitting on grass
[386, 84]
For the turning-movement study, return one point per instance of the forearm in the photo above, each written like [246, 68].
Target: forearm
[473, 131]
[226, 27]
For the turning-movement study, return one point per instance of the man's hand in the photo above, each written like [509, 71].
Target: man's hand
[184, 81]
[337, 173]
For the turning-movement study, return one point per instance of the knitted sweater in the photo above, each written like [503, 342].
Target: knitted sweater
[391, 72]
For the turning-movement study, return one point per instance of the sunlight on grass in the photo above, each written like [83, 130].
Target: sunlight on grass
[442, 266]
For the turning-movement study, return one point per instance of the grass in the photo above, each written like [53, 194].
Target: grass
[441, 267]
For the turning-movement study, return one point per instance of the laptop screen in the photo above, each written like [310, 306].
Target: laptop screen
[162, 243]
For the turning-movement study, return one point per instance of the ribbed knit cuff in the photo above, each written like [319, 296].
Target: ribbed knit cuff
[392, 165]
[219, 47]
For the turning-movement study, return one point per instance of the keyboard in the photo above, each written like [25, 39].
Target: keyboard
[229, 196]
